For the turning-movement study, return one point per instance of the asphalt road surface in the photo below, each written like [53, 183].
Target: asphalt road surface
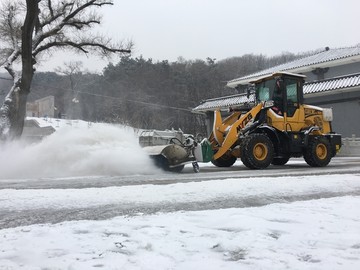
[295, 168]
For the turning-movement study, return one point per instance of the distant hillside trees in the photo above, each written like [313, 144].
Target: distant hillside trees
[150, 94]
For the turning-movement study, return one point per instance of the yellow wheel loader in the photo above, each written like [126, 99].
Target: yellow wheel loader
[277, 128]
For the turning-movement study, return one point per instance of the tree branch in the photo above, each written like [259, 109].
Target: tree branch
[80, 24]
[81, 46]
[49, 5]
[54, 15]
[69, 19]
[9, 61]
[86, 5]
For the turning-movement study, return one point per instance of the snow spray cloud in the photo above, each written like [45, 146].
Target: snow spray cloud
[97, 150]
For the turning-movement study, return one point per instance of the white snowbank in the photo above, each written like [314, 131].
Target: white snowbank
[278, 187]
[318, 234]
[58, 123]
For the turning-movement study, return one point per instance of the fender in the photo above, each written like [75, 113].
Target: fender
[307, 134]
[271, 132]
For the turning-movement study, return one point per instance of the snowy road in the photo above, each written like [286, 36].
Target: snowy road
[25, 202]
[296, 167]
[135, 217]
[304, 218]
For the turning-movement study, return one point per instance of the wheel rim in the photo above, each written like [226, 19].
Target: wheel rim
[260, 151]
[321, 151]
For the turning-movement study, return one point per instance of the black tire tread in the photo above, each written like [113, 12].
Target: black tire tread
[279, 161]
[310, 152]
[247, 151]
[224, 161]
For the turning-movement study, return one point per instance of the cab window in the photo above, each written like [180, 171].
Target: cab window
[264, 91]
[291, 96]
[291, 90]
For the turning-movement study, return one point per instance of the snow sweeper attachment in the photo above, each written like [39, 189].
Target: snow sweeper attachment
[172, 149]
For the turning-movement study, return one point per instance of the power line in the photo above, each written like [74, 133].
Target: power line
[122, 99]
[6, 79]
[106, 96]
[136, 101]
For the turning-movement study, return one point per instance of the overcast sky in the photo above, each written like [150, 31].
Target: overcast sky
[196, 29]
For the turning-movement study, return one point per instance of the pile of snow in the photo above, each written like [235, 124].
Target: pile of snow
[97, 149]
[215, 193]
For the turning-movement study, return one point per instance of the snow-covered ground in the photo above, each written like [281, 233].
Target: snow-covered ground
[290, 222]
[312, 234]
[315, 234]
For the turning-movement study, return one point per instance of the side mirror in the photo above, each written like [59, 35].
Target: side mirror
[268, 104]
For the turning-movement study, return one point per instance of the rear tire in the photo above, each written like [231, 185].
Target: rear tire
[318, 153]
[257, 151]
[224, 161]
[279, 161]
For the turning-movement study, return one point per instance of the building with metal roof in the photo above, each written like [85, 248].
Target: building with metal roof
[313, 64]
[332, 81]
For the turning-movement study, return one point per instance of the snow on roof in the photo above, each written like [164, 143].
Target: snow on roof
[349, 81]
[225, 102]
[327, 58]
[58, 123]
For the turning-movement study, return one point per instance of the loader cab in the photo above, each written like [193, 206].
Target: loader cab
[285, 89]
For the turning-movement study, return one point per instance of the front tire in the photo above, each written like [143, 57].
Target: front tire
[257, 151]
[226, 160]
[318, 152]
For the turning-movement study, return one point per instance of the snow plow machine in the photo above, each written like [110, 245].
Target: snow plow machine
[278, 127]
[171, 150]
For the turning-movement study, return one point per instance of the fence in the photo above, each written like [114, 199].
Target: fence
[350, 147]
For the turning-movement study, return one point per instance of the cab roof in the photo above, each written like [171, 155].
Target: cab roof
[278, 74]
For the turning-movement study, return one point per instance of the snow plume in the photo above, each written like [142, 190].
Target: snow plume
[99, 150]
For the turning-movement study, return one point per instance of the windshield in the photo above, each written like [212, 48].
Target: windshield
[265, 91]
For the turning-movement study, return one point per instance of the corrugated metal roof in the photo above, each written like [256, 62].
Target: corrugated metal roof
[305, 64]
[332, 84]
[309, 88]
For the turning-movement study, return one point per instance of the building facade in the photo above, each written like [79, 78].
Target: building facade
[44, 107]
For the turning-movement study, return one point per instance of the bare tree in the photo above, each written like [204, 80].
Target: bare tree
[30, 29]
[72, 71]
